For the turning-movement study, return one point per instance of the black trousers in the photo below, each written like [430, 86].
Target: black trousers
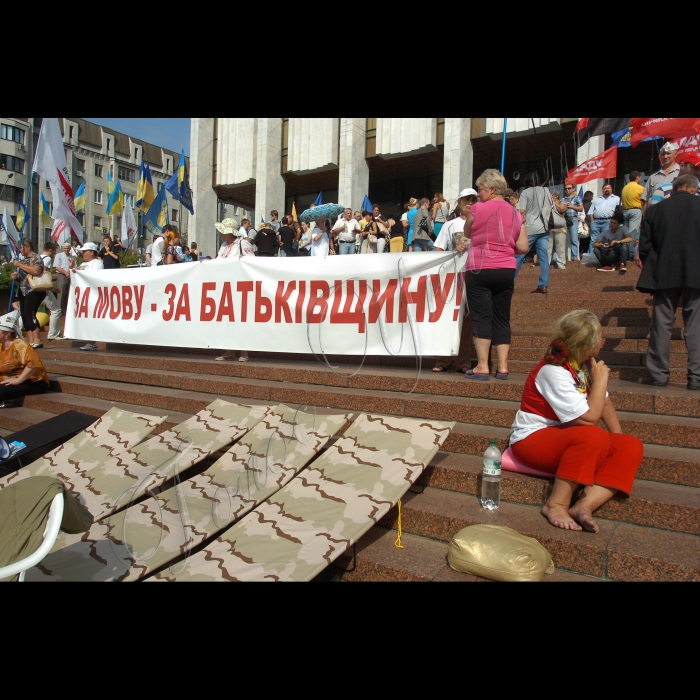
[28, 388]
[29, 305]
[490, 293]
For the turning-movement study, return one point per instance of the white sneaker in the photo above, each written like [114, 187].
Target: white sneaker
[89, 347]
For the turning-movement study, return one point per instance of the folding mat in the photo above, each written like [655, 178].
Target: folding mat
[135, 542]
[114, 433]
[326, 509]
[115, 485]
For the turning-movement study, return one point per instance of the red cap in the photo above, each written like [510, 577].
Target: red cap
[692, 158]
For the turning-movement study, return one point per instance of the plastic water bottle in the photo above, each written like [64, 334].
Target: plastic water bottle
[491, 484]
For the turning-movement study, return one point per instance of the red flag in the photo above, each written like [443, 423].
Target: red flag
[602, 166]
[583, 123]
[668, 127]
[687, 144]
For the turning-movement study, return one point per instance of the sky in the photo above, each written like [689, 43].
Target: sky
[167, 133]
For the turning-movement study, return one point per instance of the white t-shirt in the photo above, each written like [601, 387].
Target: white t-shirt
[560, 391]
[62, 260]
[321, 247]
[446, 239]
[347, 230]
[157, 251]
[95, 264]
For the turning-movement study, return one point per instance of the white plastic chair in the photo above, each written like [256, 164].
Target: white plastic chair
[51, 531]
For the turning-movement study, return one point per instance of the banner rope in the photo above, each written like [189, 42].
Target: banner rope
[398, 543]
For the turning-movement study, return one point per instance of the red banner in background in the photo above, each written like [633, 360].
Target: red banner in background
[602, 166]
[688, 144]
[667, 127]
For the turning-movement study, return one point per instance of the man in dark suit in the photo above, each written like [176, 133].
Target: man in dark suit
[669, 250]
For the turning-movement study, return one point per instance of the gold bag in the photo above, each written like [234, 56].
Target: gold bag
[499, 553]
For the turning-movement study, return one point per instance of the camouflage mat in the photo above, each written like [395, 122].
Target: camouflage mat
[116, 432]
[135, 542]
[326, 509]
[138, 471]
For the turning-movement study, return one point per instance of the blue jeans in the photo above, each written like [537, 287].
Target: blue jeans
[421, 246]
[598, 227]
[573, 237]
[346, 248]
[541, 243]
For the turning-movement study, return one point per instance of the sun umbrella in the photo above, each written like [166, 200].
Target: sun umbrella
[325, 211]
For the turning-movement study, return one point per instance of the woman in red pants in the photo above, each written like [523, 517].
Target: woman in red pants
[556, 429]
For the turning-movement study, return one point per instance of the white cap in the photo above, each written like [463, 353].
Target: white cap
[669, 148]
[10, 322]
[90, 246]
[469, 192]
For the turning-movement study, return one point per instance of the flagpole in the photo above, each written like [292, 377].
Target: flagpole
[503, 152]
[19, 245]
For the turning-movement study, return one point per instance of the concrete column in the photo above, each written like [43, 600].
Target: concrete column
[353, 181]
[270, 187]
[201, 225]
[594, 146]
[459, 157]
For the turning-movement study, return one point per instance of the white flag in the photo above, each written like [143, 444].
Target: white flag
[50, 163]
[10, 237]
[128, 226]
[61, 232]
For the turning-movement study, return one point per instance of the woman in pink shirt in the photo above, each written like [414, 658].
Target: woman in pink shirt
[497, 232]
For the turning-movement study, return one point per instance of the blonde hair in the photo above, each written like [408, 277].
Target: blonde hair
[578, 331]
[493, 180]
[439, 196]
[413, 201]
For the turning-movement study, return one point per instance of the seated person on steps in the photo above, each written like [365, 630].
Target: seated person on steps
[556, 430]
[613, 247]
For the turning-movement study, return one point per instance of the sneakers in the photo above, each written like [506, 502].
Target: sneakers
[607, 268]
[622, 267]
[89, 347]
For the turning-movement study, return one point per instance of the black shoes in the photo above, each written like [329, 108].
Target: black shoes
[694, 384]
[651, 382]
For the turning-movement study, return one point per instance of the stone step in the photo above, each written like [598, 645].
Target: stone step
[620, 552]
[16, 418]
[133, 368]
[663, 506]
[421, 560]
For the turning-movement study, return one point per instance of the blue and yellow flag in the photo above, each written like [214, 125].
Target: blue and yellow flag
[44, 212]
[79, 198]
[179, 185]
[110, 186]
[157, 216]
[145, 196]
[115, 205]
[22, 216]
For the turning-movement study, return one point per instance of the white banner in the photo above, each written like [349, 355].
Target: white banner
[344, 305]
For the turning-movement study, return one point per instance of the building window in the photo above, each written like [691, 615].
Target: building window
[136, 155]
[12, 133]
[71, 130]
[127, 175]
[167, 167]
[109, 145]
[81, 165]
[12, 194]
[11, 163]
[98, 196]
[97, 221]
[98, 170]
[440, 131]
[285, 144]
[371, 135]
[173, 217]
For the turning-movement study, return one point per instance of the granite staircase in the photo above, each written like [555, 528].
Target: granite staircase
[652, 536]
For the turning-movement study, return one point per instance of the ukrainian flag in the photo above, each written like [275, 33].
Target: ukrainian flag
[44, 213]
[179, 185]
[115, 205]
[79, 198]
[22, 217]
[110, 187]
[145, 196]
[157, 215]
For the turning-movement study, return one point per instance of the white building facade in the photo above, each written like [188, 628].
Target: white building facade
[251, 166]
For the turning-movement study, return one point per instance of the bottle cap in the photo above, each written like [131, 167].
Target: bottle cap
[493, 443]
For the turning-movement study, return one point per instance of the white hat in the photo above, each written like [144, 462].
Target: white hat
[90, 246]
[669, 147]
[469, 192]
[10, 322]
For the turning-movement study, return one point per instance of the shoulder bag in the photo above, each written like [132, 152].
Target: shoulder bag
[44, 283]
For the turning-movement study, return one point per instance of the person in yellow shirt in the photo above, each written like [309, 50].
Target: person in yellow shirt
[632, 205]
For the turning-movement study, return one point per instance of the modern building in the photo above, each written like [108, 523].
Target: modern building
[92, 151]
[260, 164]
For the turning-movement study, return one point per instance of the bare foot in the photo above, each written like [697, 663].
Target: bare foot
[559, 517]
[584, 517]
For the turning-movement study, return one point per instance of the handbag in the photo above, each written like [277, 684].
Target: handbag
[425, 226]
[44, 283]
